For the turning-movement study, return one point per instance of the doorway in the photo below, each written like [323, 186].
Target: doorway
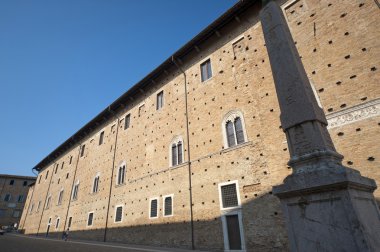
[233, 231]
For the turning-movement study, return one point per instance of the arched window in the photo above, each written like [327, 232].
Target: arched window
[176, 151]
[233, 129]
[95, 186]
[121, 174]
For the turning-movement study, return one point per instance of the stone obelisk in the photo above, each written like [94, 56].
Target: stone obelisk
[328, 207]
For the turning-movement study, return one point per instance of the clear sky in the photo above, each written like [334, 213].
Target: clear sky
[63, 62]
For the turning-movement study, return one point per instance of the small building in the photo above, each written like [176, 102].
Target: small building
[13, 194]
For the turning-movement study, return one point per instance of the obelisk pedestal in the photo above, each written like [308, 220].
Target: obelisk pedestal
[328, 207]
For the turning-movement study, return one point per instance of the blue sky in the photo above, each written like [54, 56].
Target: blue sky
[62, 62]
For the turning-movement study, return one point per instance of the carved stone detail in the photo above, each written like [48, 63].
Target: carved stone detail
[354, 114]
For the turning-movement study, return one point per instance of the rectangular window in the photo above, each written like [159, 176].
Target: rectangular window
[56, 169]
[90, 219]
[168, 205]
[153, 208]
[101, 138]
[48, 202]
[16, 213]
[118, 214]
[25, 183]
[11, 182]
[95, 186]
[63, 163]
[69, 224]
[47, 174]
[127, 121]
[20, 198]
[141, 110]
[7, 197]
[57, 224]
[160, 100]
[75, 191]
[60, 196]
[82, 150]
[229, 195]
[206, 72]
[71, 159]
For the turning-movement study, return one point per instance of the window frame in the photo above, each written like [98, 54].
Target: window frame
[122, 213]
[22, 198]
[163, 205]
[9, 198]
[150, 207]
[220, 185]
[176, 140]
[48, 201]
[101, 138]
[122, 166]
[209, 74]
[232, 116]
[95, 184]
[127, 121]
[12, 182]
[82, 149]
[160, 100]
[74, 196]
[57, 222]
[88, 217]
[60, 197]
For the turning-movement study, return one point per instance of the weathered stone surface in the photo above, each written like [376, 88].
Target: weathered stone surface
[327, 206]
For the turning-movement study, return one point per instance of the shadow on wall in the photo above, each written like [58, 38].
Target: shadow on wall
[262, 223]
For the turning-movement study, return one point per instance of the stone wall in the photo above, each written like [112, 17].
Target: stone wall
[338, 46]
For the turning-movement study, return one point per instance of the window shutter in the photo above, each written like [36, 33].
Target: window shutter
[153, 208]
[179, 146]
[168, 206]
[239, 131]
[229, 196]
[230, 134]
[119, 213]
[174, 155]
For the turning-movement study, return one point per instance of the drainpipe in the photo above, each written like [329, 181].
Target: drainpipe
[113, 168]
[188, 155]
[72, 185]
[47, 194]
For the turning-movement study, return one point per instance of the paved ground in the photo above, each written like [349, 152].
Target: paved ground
[21, 243]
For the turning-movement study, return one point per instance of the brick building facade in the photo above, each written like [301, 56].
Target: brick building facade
[13, 194]
[188, 156]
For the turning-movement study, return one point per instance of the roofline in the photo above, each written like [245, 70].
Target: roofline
[120, 102]
[17, 176]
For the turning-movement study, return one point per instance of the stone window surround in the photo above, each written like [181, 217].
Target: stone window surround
[97, 176]
[150, 207]
[60, 197]
[77, 191]
[122, 213]
[200, 69]
[163, 205]
[175, 141]
[92, 221]
[236, 182]
[121, 164]
[48, 202]
[230, 116]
